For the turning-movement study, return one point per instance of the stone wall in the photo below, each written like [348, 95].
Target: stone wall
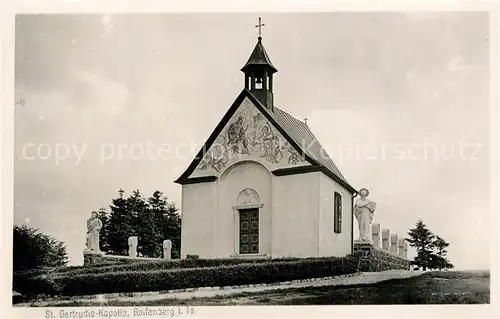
[392, 254]
[375, 259]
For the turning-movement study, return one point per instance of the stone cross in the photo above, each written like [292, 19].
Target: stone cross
[394, 244]
[132, 246]
[167, 249]
[376, 235]
[405, 249]
[385, 239]
[401, 245]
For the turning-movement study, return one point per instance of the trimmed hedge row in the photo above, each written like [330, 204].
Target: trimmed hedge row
[147, 265]
[61, 269]
[176, 264]
[168, 279]
[23, 278]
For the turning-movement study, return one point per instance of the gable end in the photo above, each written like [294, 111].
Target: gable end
[184, 178]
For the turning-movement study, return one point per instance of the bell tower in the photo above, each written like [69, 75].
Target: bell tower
[259, 73]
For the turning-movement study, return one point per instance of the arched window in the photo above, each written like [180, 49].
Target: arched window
[337, 213]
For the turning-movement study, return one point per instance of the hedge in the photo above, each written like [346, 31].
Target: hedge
[168, 279]
[146, 265]
[61, 269]
[22, 278]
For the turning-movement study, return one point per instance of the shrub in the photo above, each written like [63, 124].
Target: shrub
[34, 250]
[20, 277]
[167, 279]
[65, 269]
[148, 265]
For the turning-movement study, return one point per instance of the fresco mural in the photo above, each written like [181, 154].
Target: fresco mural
[248, 135]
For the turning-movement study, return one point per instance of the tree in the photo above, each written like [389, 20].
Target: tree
[422, 240]
[440, 261]
[120, 227]
[440, 245]
[149, 244]
[103, 215]
[33, 250]
[431, 249]
[152, 219]
[167, 220]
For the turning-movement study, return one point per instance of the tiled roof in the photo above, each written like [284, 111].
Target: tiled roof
[303, 136]
[259, 57]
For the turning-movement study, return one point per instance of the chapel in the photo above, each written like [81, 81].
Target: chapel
[262, 185]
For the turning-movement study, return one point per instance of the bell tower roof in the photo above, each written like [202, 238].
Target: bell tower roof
[259, 58]
[259, 73]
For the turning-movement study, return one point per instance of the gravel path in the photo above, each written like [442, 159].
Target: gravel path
[353, 279]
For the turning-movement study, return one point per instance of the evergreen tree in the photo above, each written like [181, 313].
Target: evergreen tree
[167, 220]
[121, 226]
[103, 215]
[149, 241]
[422, 239]
[153, 220]
[32, 250]
[440, 261]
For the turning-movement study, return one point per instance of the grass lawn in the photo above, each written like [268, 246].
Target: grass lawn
[430, 288]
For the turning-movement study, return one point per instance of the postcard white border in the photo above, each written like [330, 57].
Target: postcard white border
[7, 20]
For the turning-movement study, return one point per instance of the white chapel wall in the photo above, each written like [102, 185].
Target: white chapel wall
[331, 243]
[198, 220]
[243, 175]
[295, 215]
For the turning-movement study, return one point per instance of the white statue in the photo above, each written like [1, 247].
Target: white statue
[94, 225]
[364, 210]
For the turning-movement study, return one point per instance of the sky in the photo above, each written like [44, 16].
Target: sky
[399, 101]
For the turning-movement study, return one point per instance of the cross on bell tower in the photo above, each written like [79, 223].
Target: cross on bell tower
[259, 72]
[259, 26]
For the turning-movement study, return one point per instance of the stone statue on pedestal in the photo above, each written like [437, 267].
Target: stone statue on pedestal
[94, 226]
[364, 210]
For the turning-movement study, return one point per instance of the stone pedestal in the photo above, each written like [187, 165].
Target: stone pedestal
[401, 244]
[376, 235]
[167, 249]
[394, 244]
[385, 239]
[132, 246]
